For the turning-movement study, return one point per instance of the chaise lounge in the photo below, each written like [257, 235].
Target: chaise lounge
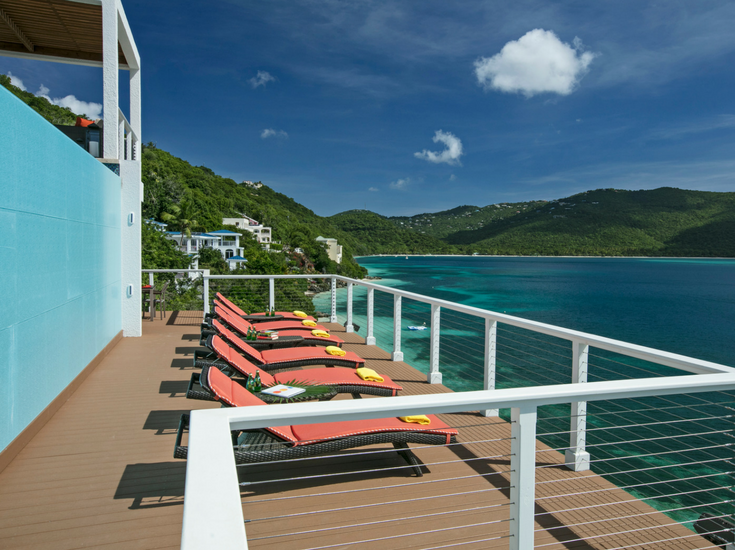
[307, 440]
[341, 379]
[256, 317]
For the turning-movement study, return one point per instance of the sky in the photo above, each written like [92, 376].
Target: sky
[404, 107]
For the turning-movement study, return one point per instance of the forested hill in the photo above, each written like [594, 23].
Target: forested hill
[173, 186]
[661, 222]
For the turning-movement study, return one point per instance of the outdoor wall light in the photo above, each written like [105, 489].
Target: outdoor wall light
[131, 218]
[130, 291]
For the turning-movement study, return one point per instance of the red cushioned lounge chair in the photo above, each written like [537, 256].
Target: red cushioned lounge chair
[306, 440]
[287, 358]
[342, 380]
[285, 315]
[281, 326]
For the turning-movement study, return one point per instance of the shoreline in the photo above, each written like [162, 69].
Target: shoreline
[542, 256]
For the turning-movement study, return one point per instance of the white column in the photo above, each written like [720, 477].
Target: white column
[271, 294]
[349, 327]
[491, 337]
[135, 114]
[435, 377]
[110, 78]
[397, 353]
[576, 457]
[522, 477]
[370, 339]
[205, 280]
[333, 290]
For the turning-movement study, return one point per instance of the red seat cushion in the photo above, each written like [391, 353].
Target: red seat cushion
[294, 354]
[315, 433]
[333, 377]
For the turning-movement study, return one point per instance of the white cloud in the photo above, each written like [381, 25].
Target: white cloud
[261, 79]
[373, 189]
[15, 81]
[452, 177]
[537, 62]
[400, 184]
[450, 155]
[270, 132]
[91, 110]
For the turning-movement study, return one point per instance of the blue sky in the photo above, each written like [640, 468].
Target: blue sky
[405, 107]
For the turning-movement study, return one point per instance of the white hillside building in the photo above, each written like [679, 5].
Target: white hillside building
[334, 250]
[262, 233]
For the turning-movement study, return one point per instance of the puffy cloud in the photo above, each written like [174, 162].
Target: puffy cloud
[270, 132]
[373, 189]
[90, 110]
[400, 184]
[450, 155]
[452, 177]
[537, 62]
[15, 81]
[261, 79]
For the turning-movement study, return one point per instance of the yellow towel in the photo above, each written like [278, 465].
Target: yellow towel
[320, 333]
[369, 374]
[308, 323]
[334, 350]
[300, 314]
[418, 419]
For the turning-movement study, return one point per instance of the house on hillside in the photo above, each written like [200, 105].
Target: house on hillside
[262, 234]
[334, 250]
[226, 242]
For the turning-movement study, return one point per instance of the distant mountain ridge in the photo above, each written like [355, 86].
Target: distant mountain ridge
[660, 222]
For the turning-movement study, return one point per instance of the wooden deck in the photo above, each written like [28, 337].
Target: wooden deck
[100, 474]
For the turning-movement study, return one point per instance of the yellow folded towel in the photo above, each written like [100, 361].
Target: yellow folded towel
[320, 333]
[369, 374]
[308, 323]
[300, 314]
[334, 350]
[418, 419]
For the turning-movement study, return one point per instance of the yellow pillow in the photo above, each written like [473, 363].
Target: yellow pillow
[300, 314]
[418, 419]
[308, 323]
[369, 374]
[334, 350]
[320, 333]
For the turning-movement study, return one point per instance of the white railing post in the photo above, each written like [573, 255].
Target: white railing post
[271, 294]
[205, 280]
[349, 327]
[397, 353]
[370, 339]
[333, 289]
[491, 338]
[522, 476]
[150, 279]
[576, 457]
[435, 377]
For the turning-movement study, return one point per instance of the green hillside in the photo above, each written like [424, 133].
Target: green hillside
[661, 222]
[378, 235]
[53, 113]
[175, 187]
[463, 218]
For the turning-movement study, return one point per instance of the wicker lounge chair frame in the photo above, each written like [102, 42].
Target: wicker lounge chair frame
[220, 311]
[268, 446]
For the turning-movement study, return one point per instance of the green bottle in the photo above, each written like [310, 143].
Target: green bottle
[258, 384]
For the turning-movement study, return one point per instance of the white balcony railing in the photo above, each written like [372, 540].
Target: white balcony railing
[505, 343]
[128, 141]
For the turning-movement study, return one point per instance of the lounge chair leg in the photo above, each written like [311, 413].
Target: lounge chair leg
[356, 396]
[409, 457]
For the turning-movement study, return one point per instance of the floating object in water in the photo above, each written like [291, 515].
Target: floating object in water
[411, 327]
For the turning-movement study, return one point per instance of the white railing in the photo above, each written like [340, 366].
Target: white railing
[209, 435]
[127, 138]
[213, 515]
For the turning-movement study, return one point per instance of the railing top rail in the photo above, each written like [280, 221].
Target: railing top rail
[358, 409]
[674, 360]
[173, 270]
[121, 118]
[271, 277]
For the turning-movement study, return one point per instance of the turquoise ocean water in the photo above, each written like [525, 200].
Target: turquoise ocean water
[685, 306]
